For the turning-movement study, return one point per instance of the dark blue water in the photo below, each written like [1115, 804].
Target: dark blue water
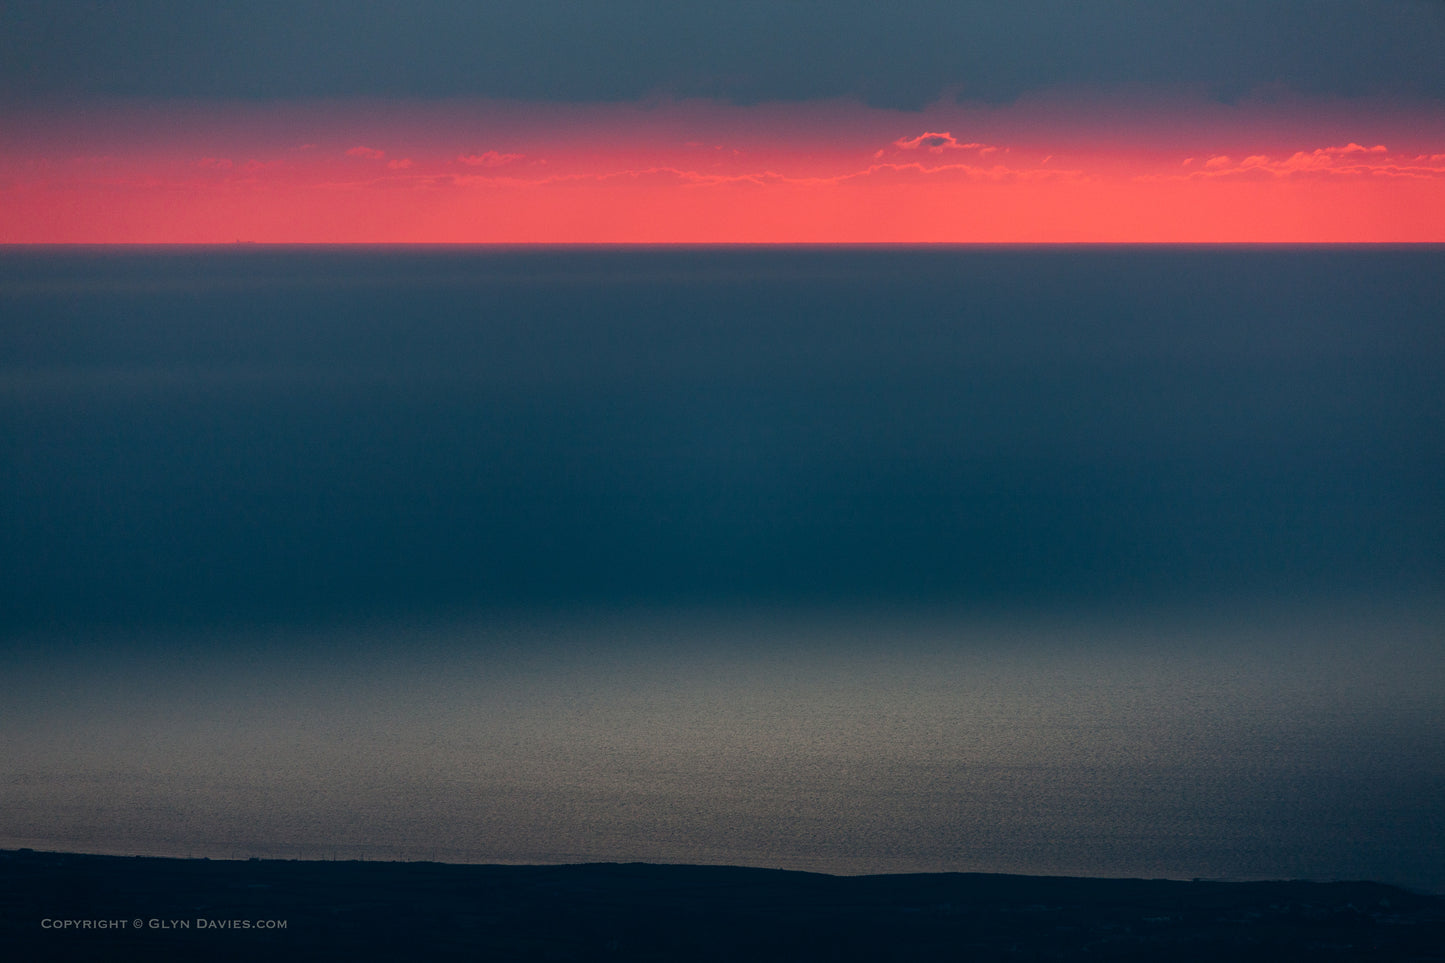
[272, 433]
[1102, 561]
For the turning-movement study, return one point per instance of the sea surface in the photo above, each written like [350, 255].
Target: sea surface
[1108, 561]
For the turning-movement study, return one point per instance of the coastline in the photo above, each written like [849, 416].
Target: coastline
[374, 910]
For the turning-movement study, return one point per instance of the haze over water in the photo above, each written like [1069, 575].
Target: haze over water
[1097, 561]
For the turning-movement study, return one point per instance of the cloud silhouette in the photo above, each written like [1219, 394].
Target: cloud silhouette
[489, 158]
[370, 153]
[937, 142]
[1349, 160]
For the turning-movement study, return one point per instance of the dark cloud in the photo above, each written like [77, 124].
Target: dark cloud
[937, 142]
[894, 55]
[929, 139]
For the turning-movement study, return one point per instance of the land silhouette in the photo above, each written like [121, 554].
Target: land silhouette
[62, 906]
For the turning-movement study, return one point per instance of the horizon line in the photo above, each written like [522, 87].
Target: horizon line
[6, 245]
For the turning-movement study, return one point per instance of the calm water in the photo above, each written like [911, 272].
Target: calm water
[1096, 561]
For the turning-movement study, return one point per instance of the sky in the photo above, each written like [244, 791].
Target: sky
[552, 122]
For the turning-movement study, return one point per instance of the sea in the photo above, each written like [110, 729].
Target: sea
[1062, 560]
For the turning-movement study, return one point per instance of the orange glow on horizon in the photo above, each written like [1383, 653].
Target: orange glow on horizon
[707, 173]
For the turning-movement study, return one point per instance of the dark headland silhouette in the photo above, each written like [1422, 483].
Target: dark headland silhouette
[60, 906]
